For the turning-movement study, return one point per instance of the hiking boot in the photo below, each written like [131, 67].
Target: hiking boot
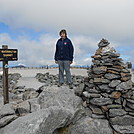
[60, 84]
[71, 86]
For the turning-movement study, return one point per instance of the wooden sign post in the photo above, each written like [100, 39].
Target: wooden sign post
[5, 56]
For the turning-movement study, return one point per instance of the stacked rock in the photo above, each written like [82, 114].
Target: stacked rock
[50, 79]
[109, 91]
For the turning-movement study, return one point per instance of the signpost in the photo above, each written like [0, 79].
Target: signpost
[5, 56]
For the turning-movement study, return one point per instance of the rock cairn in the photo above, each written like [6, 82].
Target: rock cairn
[109, 91]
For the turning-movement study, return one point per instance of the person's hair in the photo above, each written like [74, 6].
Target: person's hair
[63, 31]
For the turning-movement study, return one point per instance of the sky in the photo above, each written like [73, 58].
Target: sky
[32, 27]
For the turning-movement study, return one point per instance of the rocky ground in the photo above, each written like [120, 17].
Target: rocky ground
[38, 106]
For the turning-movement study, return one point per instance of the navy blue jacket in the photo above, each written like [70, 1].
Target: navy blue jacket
[64, 50]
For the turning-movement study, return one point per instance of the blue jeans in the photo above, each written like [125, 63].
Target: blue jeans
[64, 65]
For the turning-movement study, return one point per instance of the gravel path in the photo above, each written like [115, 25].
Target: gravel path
[29, 82]
[33, 72]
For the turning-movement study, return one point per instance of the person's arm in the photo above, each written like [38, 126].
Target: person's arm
[71, 52]
[56, 54]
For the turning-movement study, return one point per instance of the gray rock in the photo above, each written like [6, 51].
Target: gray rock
[91, 95]
[59, 96]
[96, 116]
[101, 81]
[6, 110]
[117, 112]
[125, 71]
[127, 129]
[114, 106]
[101, 101]
[86, 94]
[114, 83]
[105, 88]
[117, 101]
[21, 89]
[34, 104]
[105, 95]
[131, 101]
[30, 95]
[40, 122]
[124, 103]
[111, 76]
[20, 96]
[92, 90]
[128, 109]
[130, 105]
[89, 85]
[7, 119]
[124, 86]
[103, 43]
[1, 102]
[14, 76]
[79, 89]
[131, 113]
[89, 125]
[96, 110]
[23, 108]
[123, 120]
[106, 64]
[99, 70]
[113, 55]
[114, 69]
[12, 96]
[96, 62]
[128, 95]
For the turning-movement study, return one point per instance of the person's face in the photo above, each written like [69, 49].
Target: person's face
[63, 35]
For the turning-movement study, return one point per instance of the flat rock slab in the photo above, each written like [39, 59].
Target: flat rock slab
[59, 96]
[117, 112]
[89, 125]
[6, 120]
[6, 110]
[29, 82]
[44, 121]
[127, 129]
[100, 70]
[123, 120]
[124, 86]
[114, 83]
[101, 101]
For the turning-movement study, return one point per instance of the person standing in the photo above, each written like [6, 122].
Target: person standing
[64, 57]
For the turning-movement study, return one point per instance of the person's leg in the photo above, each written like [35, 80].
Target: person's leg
[67, 70]
[61, 72]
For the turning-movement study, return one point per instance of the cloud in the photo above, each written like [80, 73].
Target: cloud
[41, 52]
[87, 21]
[34, 52]
[107, 18]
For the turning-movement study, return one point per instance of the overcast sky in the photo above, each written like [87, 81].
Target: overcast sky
[32, 26]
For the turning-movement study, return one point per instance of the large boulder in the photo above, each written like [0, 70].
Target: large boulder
[7, 115]
[55, 108]
[44, 121]
[7, 119]
[6, 110]
[88, 125]
[62, 97]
